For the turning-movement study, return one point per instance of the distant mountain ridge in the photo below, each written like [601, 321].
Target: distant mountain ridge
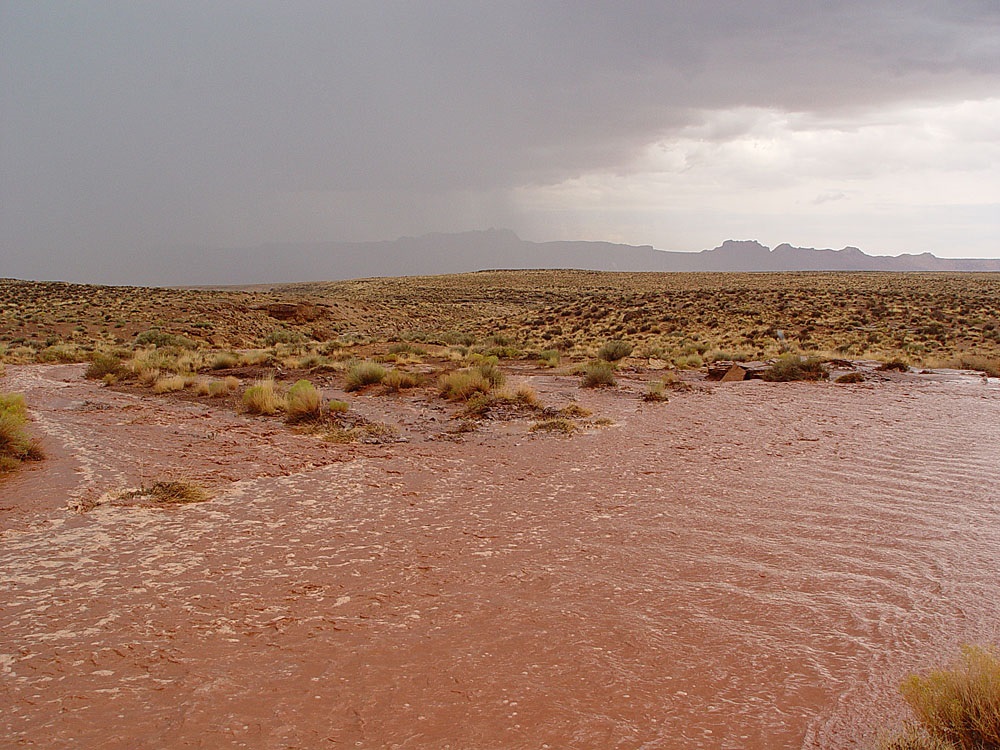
[433, 254]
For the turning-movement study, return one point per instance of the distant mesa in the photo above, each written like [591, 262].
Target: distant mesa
[465, 252]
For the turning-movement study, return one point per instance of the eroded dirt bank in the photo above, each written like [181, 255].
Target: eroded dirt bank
[750, 567]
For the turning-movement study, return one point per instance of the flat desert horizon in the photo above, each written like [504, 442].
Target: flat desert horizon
[495, 510]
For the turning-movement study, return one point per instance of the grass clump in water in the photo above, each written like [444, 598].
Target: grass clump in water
[789, 367]
[15, 444]
[956, 708]
[559, 425]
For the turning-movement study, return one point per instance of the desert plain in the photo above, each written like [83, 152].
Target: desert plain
[508, 509]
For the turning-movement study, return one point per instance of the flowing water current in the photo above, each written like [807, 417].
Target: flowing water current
[747, 566]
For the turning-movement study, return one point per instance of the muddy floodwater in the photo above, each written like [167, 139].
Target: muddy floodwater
[751, 565]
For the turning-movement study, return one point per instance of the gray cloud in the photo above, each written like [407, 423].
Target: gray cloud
[126, 126]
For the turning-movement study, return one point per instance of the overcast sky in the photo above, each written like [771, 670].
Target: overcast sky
[130, 128]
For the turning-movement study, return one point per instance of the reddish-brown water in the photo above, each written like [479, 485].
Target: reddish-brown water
[755, 566]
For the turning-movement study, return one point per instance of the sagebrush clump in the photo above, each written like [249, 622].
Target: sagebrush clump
[612, 351]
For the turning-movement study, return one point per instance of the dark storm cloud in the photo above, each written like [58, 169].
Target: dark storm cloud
[131, 125]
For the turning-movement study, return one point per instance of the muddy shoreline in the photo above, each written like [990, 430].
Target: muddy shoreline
[749, 565]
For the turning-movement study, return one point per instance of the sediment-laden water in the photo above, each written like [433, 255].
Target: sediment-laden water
[753, 566]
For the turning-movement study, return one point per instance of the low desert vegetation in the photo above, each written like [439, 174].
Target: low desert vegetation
[898, 365]
[303, 403]
[363, 374]
[220, 388]
[612, 351]
[656, 391]
[575, 410]
[169, 384]
[956, 708]
[789, 367]
[171, 493]
[15, 443]
[398, 380]
[262, 398]
[597, 374]
[104, 366]
[549, 357]
[559, 425]
[850, 377]
[461, 385]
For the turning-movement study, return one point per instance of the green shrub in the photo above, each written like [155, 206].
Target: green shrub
[597, 374]
[956, 708]
[335, 406]
[490, 371]
[549, 358]
[612, 351]
[284, 336]
[361, 374]
[303, 402]
[504, 352]
[103, 365]
[261, 398]
[160, 339]
[790, 367]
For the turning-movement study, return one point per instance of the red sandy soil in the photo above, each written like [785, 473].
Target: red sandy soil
[751, 565]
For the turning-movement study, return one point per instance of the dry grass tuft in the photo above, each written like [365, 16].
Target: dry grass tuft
[104, 365]
[303, 403]
[575, 410]
[361, 374]
[956, 708]
[549, 358]
[336, 406]
[262, 398]
[656, 391]
[597, 374]
[15, 444]
[169, 384]
[462, 385]
[559, 425]
[398, 380]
